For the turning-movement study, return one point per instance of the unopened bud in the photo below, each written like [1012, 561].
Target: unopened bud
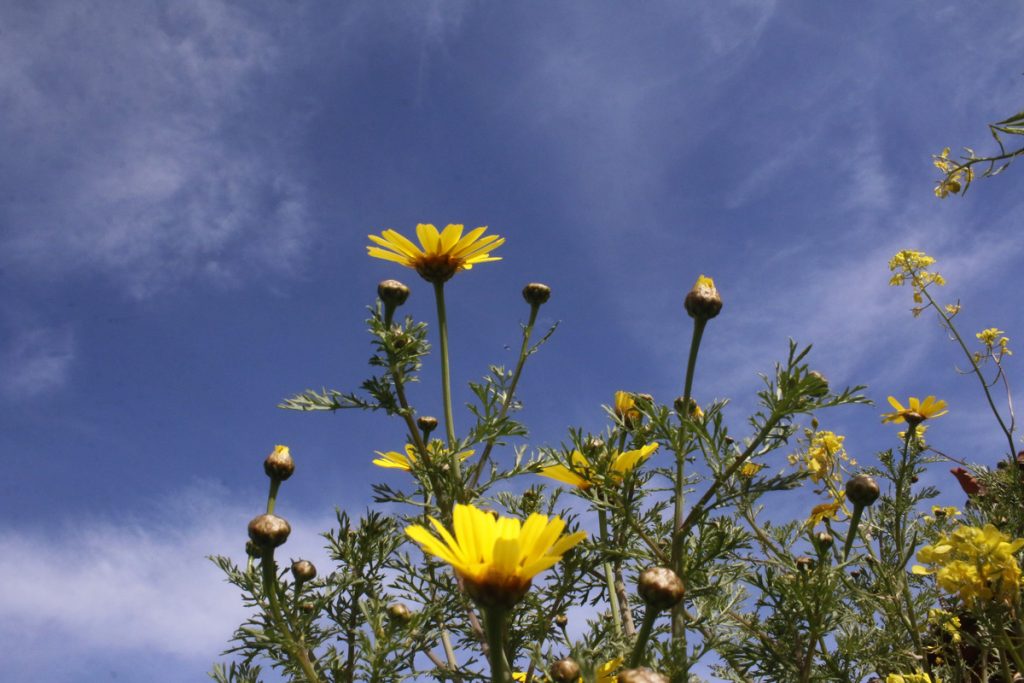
[399, 613]
[804, 563]
[561, 621]
[392, 292]
[303, 570]
[862, 490]
[824, 540]
[269, 531]
[660, 587]
[307, 607]
[641, 675]
[565, 671]
[817, 385]
[536, 293]
[594, 444]
[427, 424]
[703, 301]
[252, 550]
[279, 464]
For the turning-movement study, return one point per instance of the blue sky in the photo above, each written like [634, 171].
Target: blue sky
[186, 190]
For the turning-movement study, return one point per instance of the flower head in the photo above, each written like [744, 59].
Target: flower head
[496, 557]
[912, 266]
[397, 461]
[440, 254]
[916, 411]
[583, 474]
[976, 564]
[823, 511]
[995, 342]
[626, 410]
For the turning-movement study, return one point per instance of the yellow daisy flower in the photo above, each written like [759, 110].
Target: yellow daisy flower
[916, 411]
[583, 474]
[397, 461]
[440, 254]
[496, 557]
[823, 511]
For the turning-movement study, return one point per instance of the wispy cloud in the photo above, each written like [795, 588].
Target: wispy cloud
[120, 146]
[119, 588]
[36, 361]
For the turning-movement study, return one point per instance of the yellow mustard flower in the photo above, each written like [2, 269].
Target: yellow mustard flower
[952, 309]
[976, 564]
[995, 342]
[916, 411]
[440, 254]
[625, 409]
[583, 474]
[397, 461]
[823, 511]
[749, 469]
[912, 266]
[824, 452]
[496, 557]
[947, 621]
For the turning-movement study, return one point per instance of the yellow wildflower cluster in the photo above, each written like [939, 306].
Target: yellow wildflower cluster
[910, 678]
[824, 453]
[956, 178]
[947, 621]
[996, 344]
[912, 266]
[749, 469]
[977, 564]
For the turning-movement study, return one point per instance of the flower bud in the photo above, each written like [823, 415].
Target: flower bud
[817, 385]
[660, 587]
[399, 613]
[269, 531]
[565, 671]
[862, 490]
[427, 424]
[536, 293]
[824, 540]
[279, 464]
[252, 550]
[703, 301]
[561, 621]
[307, 607]
[641, 675]
[392, 292]
[804, 564]
[303, 570]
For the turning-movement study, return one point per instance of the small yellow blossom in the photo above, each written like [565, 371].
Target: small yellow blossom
[397, 461]
[995, 343]
[440, 254]
[912, 266]
[910, 678]
[626, 410]
[583, 474]
[496, 557]
[976, 564]
[823, 511]
[952, 309]
[947, 621]
[956, 175]
[749, 469]
[916, 411]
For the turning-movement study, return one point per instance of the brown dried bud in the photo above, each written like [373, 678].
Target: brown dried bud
[427, 424]
[824, 540]
[269, 531]
[703, 301]
[862, 490]
[252, 550]
[399, 613]
[536, 294]
[303, 570]
[660, 587]
[307, 607]
[641, 675]
[279, 464]
[804, 563]
[565, 671]
[561, 621]
[855, 573]
[392, 292]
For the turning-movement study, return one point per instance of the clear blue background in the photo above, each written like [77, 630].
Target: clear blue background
[186, 190]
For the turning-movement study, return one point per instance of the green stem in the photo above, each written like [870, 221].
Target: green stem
[609, 576]
[275, 484]
[494, 626]
[446, 375]
[646, 626]
[1014, 653]
[854, 522]
[510, 396]
[678, 618]
[903, 475]
[296, 650]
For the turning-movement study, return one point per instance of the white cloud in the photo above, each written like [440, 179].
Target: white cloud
[117, 589]
[121, 131]
[36, 361]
